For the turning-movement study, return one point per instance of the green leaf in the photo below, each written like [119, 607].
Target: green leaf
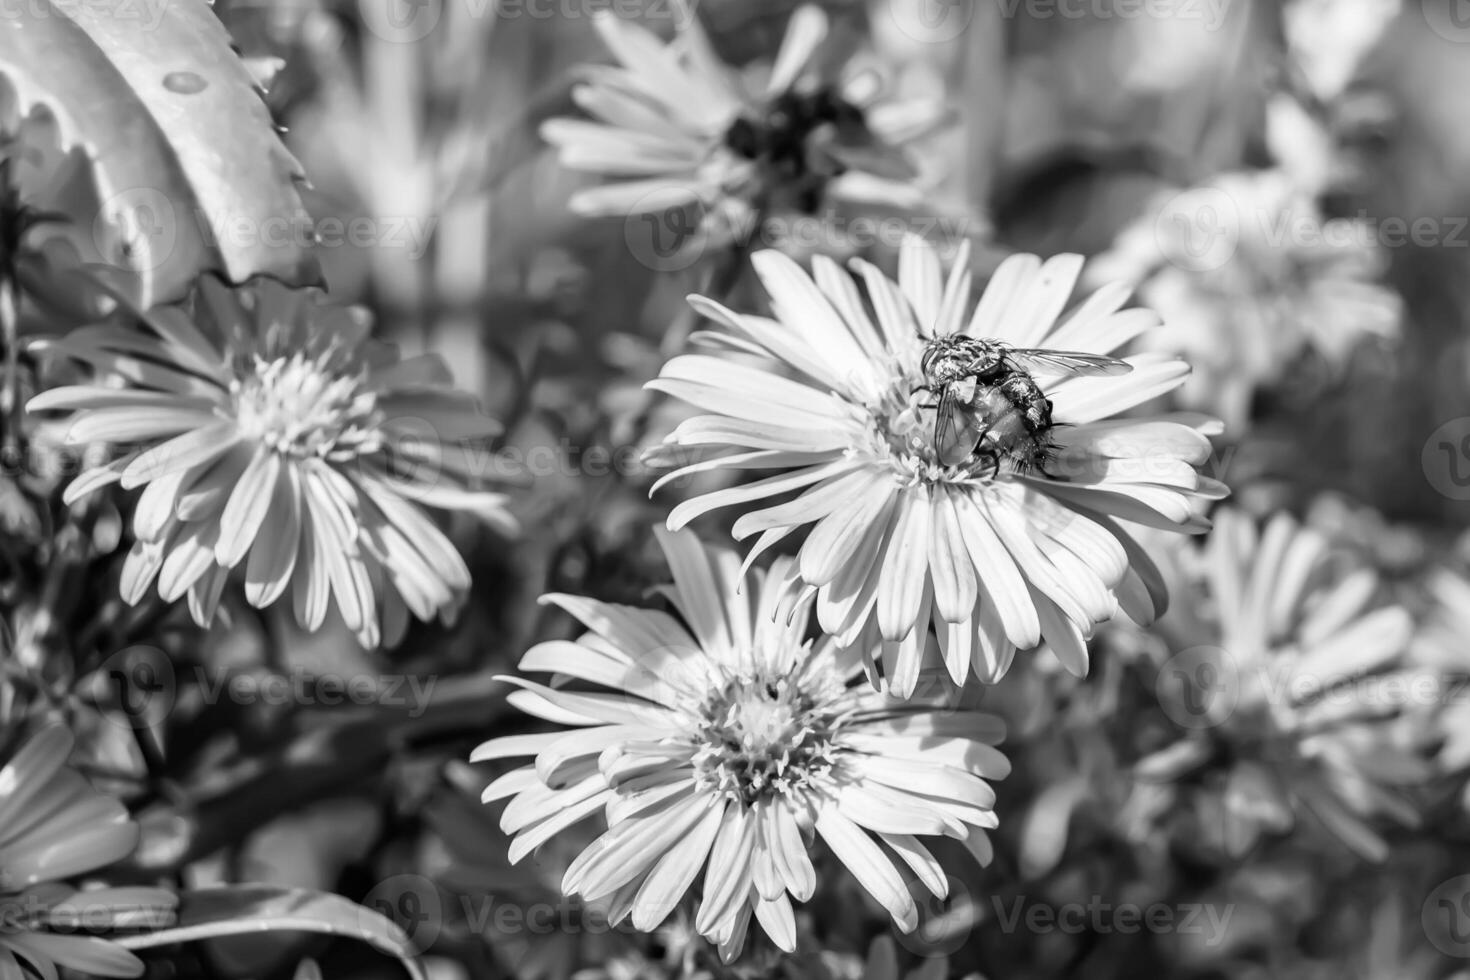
[192, 173]
[237, 910]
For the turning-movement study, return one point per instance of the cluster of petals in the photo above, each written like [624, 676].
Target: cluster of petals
[716, 740]
[996, 557]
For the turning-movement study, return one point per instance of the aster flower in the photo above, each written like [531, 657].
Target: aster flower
[675, 126]
[1284, 690]
[1249, 276]
[719, 741]
[1000, 532]
[270, 434]
[54, 826]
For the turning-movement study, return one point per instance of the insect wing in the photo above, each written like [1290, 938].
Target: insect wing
[956, 430]
[1068, 362]
[944, 416]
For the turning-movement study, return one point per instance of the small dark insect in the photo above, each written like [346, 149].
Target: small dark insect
[781, 137]
[989, 400]
[807, 138]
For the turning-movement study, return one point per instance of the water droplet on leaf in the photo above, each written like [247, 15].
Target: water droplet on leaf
[185, 82]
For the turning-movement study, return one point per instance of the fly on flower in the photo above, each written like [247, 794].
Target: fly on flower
[724, 741]
[990, 403]
[271, 435]
[999, 525]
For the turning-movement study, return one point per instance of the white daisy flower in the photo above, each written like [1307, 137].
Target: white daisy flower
[1287, 682]
[55, 826]
[1248, 277]
[270, 434]
[996, 520]
[673, 126]
[719, 741]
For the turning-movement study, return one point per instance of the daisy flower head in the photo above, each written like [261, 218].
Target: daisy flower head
[672, 126]
[269, 434]
[54, 826]
[1287, 690]
[949, 475]
[1249, 276]
[719, 739]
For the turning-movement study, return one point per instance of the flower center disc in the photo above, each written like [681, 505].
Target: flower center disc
[295, 407]
[761, 737]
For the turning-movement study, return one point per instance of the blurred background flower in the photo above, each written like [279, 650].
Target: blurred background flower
[1285, 680]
